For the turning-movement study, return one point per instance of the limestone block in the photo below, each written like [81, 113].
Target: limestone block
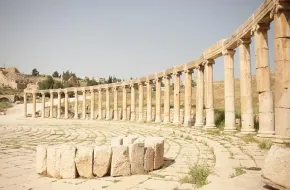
[148, 159]
[67, 162]
[120, 165]
[140, 140]
[102, 160]
[266, 102]
[41, 157]
[120, 111]
[276, 171]
[157, 143]
[136, 156]
[116, 141]
[129, 140]
[84, 161]
[53, 161]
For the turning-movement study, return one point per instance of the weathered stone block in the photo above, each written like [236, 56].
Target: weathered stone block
[157, 143]
[276, 171]
[102, 160]
[67, 162]
[129, 140]
[41, 158]
[53, 161]
[116, 141]
[120, 165]
[148, 159]
[136, 155]
[84, 161]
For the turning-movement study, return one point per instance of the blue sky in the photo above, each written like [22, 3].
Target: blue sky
[126, 38]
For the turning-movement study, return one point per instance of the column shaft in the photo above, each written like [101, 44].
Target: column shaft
[116, 103]
[263, 78]
[210, 122]
[167, 99]
[141, 102]
[158, 100]
[149, 101]
[199, 97]
[246, 87]
[124, 103]
[58, 105]
[229, 88]
[176, 117]
[25, 104]
[33, 104]
[76, 105]
[133, 103]
[65, 105]
[100, 105]
[84, 105]
[92, 104]
[282, 69]
[43, 105]
[188, 97]
[108, 117]
[51, 105]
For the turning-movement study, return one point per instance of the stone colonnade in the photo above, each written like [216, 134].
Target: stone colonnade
[274, 115]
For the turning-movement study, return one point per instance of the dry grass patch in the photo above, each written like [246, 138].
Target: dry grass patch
[197, 175]
[238, 171]
[265, 144]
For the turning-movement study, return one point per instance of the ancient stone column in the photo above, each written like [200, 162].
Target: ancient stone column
[43, 105]
[51, 105]
[133, 103]
[282, 69]
[92, 104]
[25, 104]
[263, 78]
[65, 104]
[149, 101]
[141, 101]
[158, 100]
[205, 86]
[108, 117]
[76, 104]
[33, 104]
[229, 88]
[116, 103]
[58, 104]
[246, 87]
[124, 103]
[167, 99]
[210, 123]
[100, 104]
[84, 104]
[199, 97]
[176, 116]
[188, 97]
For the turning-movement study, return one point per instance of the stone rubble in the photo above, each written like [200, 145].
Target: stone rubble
[127, 155]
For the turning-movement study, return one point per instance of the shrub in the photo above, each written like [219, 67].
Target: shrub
[197, 175]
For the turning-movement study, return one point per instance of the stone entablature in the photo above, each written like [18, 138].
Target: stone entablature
[127, 155]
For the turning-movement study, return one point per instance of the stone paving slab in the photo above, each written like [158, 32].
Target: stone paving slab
[183, 147]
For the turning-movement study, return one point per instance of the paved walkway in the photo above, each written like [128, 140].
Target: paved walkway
[183, 148]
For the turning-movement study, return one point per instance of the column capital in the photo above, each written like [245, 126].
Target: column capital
[230, 52]
[280, 5]
[167, 76]
[116, 87]
[244, 41]
[177, 73]
[83, 90]
[65, 91]
[260, 27]
[149, 82]
[208, 62]
[200, 67]
[125, 86]
[42, 93]
[92, 90]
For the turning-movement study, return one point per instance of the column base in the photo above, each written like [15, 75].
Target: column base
[198, 125]
[157, 121]
[281, 139]
[210, 127]
[141, 121]
[266, 134]
[177, 122]
[248, 131]
[230, 130]
[165, 122]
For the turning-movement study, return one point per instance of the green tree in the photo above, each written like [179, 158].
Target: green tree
[46, 84]
[35, 72]
[55, 74]
[110, 80]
